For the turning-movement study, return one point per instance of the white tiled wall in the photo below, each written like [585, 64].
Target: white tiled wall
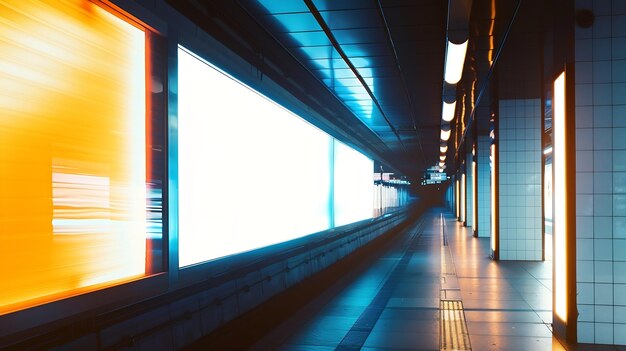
[601, 173]
[519, 155]
[484, 186]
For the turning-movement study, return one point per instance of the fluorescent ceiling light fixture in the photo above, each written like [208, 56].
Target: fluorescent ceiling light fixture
[455, 57]
[445, 135]
[447, 111]
[443, 149]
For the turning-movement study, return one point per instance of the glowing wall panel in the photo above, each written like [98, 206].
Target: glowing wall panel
[72, 150]
[354, 194]
[251, 173]
[560, 201]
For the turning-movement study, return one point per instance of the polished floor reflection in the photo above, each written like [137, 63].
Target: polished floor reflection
[393, 301]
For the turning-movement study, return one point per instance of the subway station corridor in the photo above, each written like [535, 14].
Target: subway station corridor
[312, 175]
[433, 288]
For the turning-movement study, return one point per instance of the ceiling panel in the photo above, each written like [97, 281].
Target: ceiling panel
[332, 5]
[397, 48]
[348, 19]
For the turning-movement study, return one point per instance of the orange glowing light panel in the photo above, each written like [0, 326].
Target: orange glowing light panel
[72, 150]
[474, 200]
[493, 197]
[463, 189]
[560, 200]
[456, 198]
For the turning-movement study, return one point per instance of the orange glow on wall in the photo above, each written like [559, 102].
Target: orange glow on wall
[72, 150]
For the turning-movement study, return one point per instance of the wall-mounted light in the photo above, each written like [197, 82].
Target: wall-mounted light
[455, 58]
[442, 158]
[493, 198]
[447, 111]
[456, 197]
[443, 149]
[463, 189]
[474, 200]
[560, 200]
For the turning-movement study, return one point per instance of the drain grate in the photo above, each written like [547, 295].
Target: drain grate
[454, 334]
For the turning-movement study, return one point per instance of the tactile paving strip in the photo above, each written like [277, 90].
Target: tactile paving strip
[454, 335]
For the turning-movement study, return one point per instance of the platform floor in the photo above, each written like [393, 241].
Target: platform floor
[393, 302]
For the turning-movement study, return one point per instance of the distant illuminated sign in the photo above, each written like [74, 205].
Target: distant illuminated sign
[439, 176]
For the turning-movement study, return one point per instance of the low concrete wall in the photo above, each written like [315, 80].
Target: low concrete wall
[232, 287]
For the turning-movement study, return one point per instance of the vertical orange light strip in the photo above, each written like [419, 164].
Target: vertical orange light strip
[493, 198]
[456, 197]
[474, 200]
[560, 200]
[463, 189]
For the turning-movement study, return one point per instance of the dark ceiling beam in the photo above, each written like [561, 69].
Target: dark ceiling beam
[485, 84]
[381, 14]
[331, 37]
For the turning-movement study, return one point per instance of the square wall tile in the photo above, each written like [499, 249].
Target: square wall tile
[602, 116]
[602, 48]
[602, 205]
[619, 249]
[619, 273]
[601, 72]
[584, 117]
[602, 138]
[620, 294]
[603, 294]
[604, 314]
[586, 313]
[619, 332]
[602, 160]
[619, 182]
[603, 333]
[584, 227]
[584, 249]
[602, 182]
[585, 271]
[603, 272]
[619, 314]
[619, 205]
[619, 227]
[585, 292]
[618, 70]
[603, 249]
[603, 227]
[586, 332]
